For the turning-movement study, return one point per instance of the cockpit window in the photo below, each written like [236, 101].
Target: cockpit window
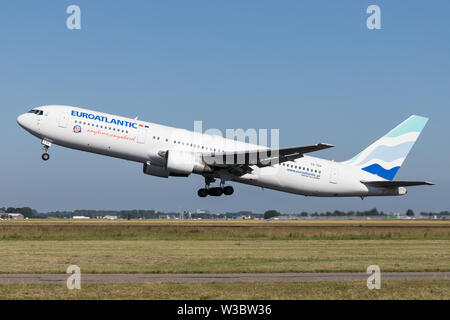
[35, 111]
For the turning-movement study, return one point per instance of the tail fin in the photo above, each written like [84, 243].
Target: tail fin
[385, 156]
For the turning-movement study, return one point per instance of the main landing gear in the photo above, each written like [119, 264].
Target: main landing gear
[45, 145]
[215, 192]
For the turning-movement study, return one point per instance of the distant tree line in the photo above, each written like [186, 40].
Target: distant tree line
[152, 214]
[337, 213]
[373, 212]
[430, 214]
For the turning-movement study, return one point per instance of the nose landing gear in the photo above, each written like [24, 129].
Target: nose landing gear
[45, 145]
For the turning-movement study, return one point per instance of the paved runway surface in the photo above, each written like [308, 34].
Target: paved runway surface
[236, 277]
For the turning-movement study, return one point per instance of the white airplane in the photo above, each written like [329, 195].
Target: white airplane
[167, 151]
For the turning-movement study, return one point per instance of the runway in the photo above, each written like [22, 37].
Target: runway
[201, 278]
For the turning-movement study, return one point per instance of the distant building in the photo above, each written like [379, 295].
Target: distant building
[11, 216]
[110, 217]
[80, 218]
[242, 217]
[169, 217]
[288, 217]
[200, 211]
[15, 216]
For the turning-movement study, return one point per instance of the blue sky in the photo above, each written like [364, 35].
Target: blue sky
[310, 68]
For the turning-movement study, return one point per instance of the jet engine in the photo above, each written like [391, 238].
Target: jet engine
[155, 170]
[177, 163]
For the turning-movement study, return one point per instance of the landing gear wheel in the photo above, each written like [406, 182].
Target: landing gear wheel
[215, 192]
[45, 156]
[202, 192]
[228, 190]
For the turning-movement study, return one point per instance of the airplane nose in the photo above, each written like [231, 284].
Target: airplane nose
[22, 120]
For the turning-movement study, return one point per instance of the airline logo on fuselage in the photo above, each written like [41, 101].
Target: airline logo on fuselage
[104, 119]
[77, 129]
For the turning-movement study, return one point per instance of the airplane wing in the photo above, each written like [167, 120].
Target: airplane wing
[261, 158]
[395, 184]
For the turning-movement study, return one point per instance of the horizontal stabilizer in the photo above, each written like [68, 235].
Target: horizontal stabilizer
[396, 184]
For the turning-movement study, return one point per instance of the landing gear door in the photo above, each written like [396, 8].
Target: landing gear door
[334, 175]
[63, 120]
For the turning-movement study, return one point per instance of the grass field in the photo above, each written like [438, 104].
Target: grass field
[390, 289]
[216, 256]
[223, 246]
[226, 247]
[224, 230]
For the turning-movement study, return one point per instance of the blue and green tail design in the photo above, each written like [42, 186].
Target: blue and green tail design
[385, 156]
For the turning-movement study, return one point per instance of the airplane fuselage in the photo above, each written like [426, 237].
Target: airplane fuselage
[145, 142]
